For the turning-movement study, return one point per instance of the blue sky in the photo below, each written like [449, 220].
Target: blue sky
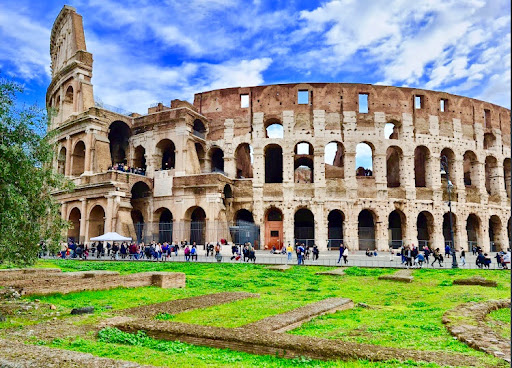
[155, 51]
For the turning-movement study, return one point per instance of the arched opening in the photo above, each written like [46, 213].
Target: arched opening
[303, 163]
[61, 161]
[166, 150]
[470, 169]
[274, 129]
[197, 226]
[227, 195]
[140, 190]
[75, 217]
[393, 162]
[392, 130]
[199, 129]
[489, 140]
[140, 193]
[425, 227]
[243, 158]
[217, 160]
[139, 161]
[507, 175]
[274, 229]
[119, 135]
[138, 225]
[96, 222]
[422, 167]
[334, 155]
[396, 229]
[450, 157]
[473, 230]
[78, 165]
[335, 221]
[366, 230]
[273, 164]
[245, 230]
[491, 176]
[200, 155]
[68, 103]
[446, 228]
[165, 226]
[364, 160]
[304, 227]
[495, 234]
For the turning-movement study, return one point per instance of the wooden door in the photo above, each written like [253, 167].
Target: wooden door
[273, 234]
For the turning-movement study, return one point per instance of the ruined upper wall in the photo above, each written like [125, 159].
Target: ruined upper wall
[66, 39]
[272, 100]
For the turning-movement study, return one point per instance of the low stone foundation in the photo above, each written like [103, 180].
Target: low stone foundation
[467, 323]
[183, 305]
[334, 272]
[17, 355]
[255, 341]
[476, 280]
[67, 282]
[25, 273]
[296, 317]
[399, 276]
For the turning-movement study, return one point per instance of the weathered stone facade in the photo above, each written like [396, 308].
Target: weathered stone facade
[211, 165]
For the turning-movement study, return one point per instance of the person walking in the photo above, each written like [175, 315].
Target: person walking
[437, 257]
[345, 255]
[300, 255]
[463, 257]
[342, 248]
[316, 252]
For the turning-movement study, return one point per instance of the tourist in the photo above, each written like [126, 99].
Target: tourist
[123, 250]
[480, 259]
[506, 260]
[487, 260]
[418, 261]
[99, 250]
[447, 251]
[176, 247]
[158, 251]
[342, 249]
[209, 249]
[217, 248]
[391, 254]
[63, 249]
[115, 251]
[300, 255]
[426, 252]
[289, 251]
[345, 255]
[437, 257]
[193, 252]
[463, 257]
[316, 252]
[187, 253]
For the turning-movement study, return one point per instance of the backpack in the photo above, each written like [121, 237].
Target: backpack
[193, 251]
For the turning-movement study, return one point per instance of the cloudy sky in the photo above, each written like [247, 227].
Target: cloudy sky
[151, 51]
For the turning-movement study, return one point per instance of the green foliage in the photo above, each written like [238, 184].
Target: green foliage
[116, 336]
[28, 213]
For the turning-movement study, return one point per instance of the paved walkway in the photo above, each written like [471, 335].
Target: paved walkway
[326, 258]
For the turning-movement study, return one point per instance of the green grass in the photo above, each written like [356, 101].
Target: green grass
[401, 315]
[499, 320]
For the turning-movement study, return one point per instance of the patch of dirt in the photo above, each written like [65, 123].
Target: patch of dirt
[14, 354]
[399, 276]
[476, 280]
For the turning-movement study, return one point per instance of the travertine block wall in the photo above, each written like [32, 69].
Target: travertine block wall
[331, 114]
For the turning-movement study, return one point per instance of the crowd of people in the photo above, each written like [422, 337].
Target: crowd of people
[125, 168]
[411, 256]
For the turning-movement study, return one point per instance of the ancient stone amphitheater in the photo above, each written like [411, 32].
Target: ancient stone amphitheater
[328, 163]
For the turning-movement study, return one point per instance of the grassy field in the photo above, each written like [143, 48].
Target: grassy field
[400, 315]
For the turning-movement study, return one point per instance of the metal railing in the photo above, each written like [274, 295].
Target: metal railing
[199, 134]
[334, 244]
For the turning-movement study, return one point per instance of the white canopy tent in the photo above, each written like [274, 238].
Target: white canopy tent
[111, 237]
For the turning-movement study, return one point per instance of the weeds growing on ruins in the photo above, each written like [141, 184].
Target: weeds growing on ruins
[387, 314]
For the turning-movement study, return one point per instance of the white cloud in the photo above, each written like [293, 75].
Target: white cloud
[24, 44]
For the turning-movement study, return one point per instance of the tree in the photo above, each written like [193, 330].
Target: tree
[28, 212]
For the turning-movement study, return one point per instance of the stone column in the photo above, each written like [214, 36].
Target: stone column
[88, 152]
[109, 212]
[83, 222]
[381, 235]
[407, 176]
[320, 227]
[67, 169]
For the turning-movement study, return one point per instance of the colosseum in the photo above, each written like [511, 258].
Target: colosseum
[278, 164]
